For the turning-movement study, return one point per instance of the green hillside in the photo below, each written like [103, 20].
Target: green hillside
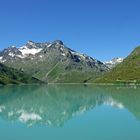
[126, 72]
[12, 76]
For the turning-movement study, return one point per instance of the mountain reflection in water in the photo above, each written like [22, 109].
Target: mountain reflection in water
[54, 105]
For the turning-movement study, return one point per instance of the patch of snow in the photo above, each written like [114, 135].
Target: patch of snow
[73, 52]
[2, 60]
[61, 49]
[63, 54]
[120, 59]
[11, 54]
[49, 45]
[111, 64]
[26, 51]
[30, 43]
[78, 54]
[114, 61]
[20, 56]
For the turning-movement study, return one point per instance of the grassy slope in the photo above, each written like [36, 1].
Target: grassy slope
[52, 69]
[59, 74]
[126, 72]
[12, 76]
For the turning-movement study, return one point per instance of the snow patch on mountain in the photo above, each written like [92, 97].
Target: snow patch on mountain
[115, 60]
[112, 63]
[30, 43]
[26, 51]
[11, 54]
[63, 54]
[82, 56]
[49, 45]
[2, 60]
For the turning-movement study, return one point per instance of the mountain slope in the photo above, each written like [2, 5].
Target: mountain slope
[126, 72]
[53, 62]
[12, 76]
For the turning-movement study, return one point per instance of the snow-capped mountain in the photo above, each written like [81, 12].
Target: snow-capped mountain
[52, 61]
[29, 49]
[112, 63]
[12, 52]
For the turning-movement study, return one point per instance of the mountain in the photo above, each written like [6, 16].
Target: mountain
[113, 63]
[126, 72]
[52, 62]
[13, 76]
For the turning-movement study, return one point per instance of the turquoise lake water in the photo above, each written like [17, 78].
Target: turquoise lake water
[69, 112]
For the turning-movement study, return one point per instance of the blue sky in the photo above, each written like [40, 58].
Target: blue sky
[103, 29]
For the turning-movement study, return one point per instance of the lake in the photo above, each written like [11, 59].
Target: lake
[69, 112]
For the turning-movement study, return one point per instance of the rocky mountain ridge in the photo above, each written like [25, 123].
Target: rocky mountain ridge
[52, 62]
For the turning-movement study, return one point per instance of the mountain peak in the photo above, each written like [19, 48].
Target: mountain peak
[58, 42]
[30, 42]
[13, 46]
[112, 63]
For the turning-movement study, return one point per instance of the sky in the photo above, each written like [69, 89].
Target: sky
[103, 29]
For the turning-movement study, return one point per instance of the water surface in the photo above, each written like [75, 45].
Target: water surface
[69, 112]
